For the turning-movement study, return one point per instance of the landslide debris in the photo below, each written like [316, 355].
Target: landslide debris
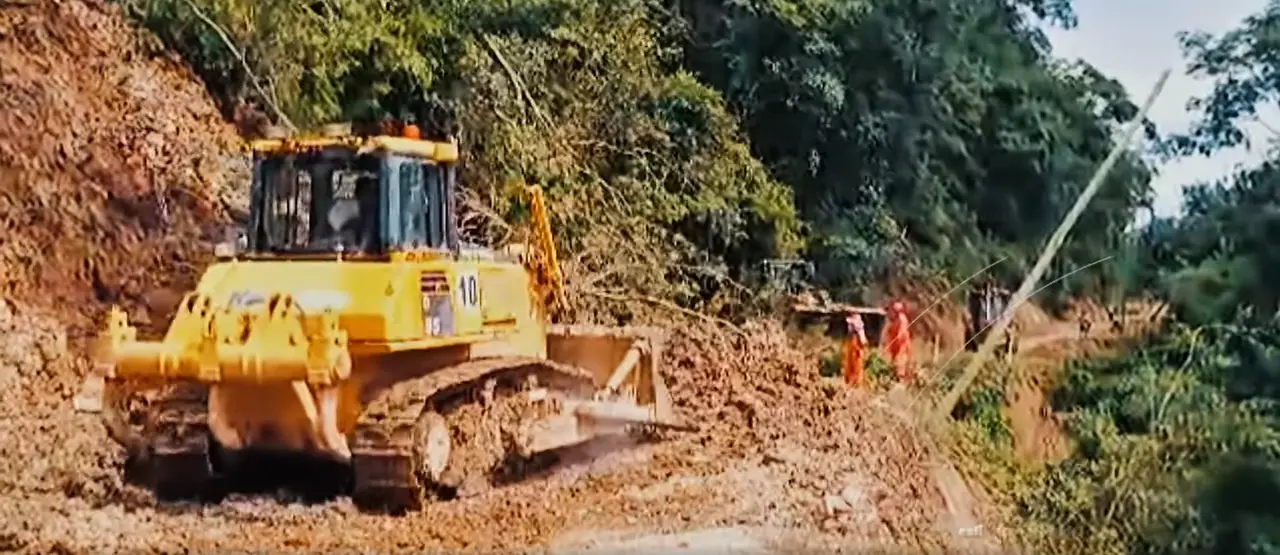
[114, 164]
[781, 449]
[114, 169]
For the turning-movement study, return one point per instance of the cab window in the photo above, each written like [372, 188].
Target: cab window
[316, 202]
[439, 218]
[421, 206]
[413, 206]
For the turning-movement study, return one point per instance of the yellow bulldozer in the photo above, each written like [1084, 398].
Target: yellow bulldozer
[348, 323]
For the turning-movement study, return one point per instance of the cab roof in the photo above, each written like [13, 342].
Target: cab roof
[410, 145]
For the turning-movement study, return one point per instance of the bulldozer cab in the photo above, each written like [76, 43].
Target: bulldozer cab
[349, 195]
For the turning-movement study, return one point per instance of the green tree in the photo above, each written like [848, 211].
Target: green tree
[925, 133]
[652, 189]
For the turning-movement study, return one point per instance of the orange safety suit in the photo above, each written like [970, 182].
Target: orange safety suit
[897, 342]
[854, 352]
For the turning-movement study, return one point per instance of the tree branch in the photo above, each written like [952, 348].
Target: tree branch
[516, 81]
[669, 306]
[253, 78]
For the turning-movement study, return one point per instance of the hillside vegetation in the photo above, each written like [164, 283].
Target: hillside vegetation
[683, 142]
[1176, 443]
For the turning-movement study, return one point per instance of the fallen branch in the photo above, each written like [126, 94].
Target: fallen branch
[669, 306]
[516, 81]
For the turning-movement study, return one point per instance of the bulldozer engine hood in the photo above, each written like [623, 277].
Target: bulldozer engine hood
[309, 300]
[314, 286]
[375, 301]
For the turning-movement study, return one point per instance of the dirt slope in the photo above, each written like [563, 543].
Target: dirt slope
[113, 163]
[1036, 431]
[115, 166]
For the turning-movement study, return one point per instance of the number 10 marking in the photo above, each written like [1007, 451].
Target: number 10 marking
[468, 290]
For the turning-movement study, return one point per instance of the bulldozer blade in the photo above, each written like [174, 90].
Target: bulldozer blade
[89, 398]
[623, 360]
[607, 412]
[580, 421]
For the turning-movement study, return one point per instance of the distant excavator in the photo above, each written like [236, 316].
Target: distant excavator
[808, 305]
[349, 323]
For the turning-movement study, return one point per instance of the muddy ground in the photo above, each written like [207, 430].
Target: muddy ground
[784, 458]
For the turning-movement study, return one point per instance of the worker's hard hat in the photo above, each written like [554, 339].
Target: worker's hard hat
[897, 306]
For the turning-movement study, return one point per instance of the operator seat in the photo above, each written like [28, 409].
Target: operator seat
[354, 219]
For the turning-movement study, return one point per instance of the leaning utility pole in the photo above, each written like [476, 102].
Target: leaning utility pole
[1029, 283]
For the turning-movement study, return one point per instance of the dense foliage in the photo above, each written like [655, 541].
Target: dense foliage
[920, 134]
[652, 190]
[684, 142]
[1178, 449]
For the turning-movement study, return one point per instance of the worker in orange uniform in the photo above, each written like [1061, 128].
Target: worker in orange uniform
[897, 342]
[855, 346]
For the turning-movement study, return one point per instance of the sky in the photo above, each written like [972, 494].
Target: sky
[1133, 41]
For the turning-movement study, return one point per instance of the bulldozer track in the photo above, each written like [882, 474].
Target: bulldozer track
[174, 453]
[387, 462]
